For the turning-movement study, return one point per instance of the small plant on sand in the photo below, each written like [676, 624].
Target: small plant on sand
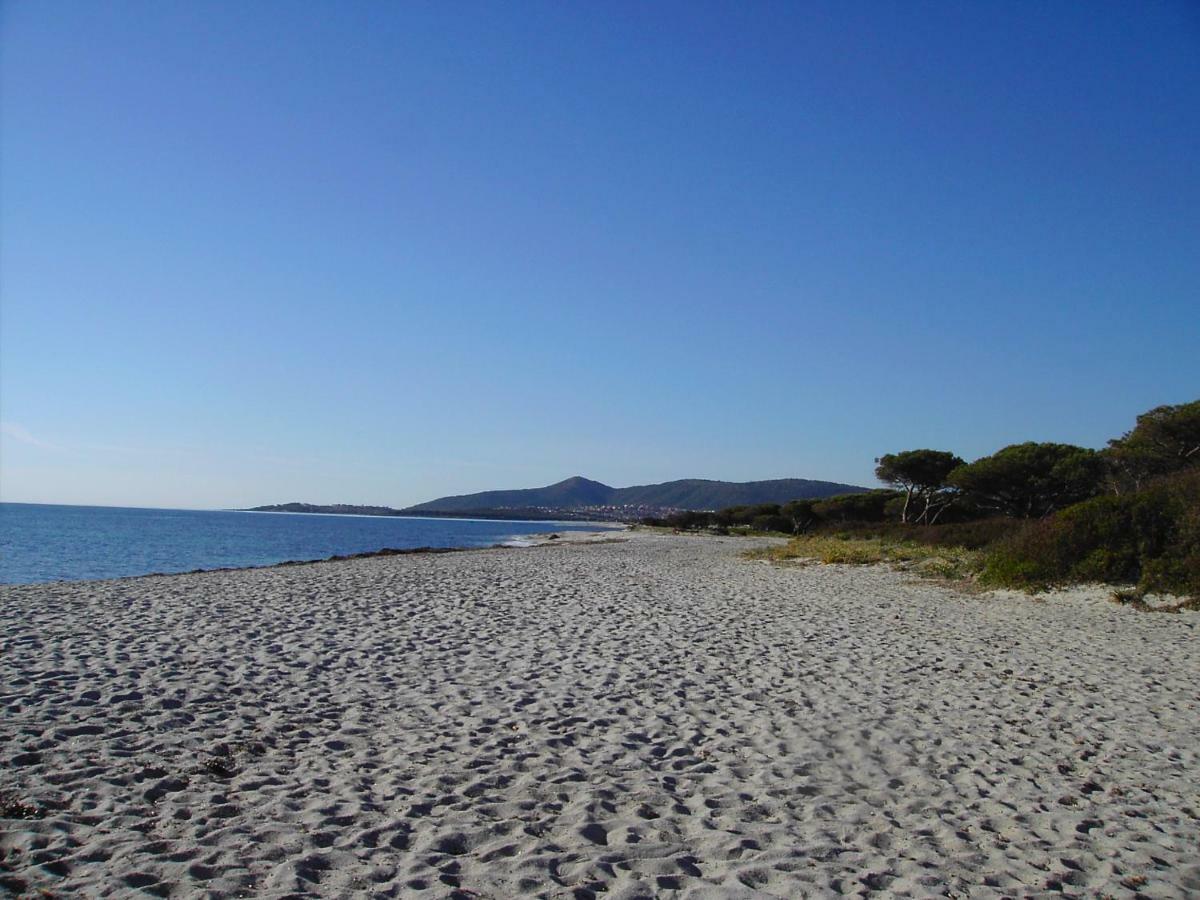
[221, 762]
[948, 566]
[13, 807]
[1135, 598]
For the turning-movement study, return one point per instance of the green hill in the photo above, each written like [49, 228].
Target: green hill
[688, 493]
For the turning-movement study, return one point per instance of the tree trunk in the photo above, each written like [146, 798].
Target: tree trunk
[924, 517]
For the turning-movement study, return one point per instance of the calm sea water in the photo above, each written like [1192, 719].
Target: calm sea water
[53, 543]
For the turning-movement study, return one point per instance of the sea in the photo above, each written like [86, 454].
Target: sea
[69, 543]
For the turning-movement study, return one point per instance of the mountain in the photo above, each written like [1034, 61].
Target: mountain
[701, 493]
[689, 493]
[577, 491]
[582, 498]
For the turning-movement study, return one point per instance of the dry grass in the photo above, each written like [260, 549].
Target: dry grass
[928, 561]
[923, 559]
[1136, 599]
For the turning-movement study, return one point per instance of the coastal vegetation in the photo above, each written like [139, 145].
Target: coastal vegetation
[1148, 537]
[1031, 515]
[921, 475]
[930, 560]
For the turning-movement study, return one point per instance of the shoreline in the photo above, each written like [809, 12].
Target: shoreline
[517, 541]
[538, 540]
[653, 716]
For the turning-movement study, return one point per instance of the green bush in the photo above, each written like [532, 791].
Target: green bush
[1030, 480]
[771, 523]
[865, 507]
[1165, 440]
[971, 535]
[1151, 538]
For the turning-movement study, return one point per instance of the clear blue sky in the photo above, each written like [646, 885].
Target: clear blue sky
[379, 252]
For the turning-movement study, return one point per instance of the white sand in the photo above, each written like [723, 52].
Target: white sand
[632, 719]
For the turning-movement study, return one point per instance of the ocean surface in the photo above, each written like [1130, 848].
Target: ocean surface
[69, 543]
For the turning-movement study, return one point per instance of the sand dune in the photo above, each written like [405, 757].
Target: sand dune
[655, 717]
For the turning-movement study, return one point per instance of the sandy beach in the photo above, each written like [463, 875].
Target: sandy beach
[655, 716]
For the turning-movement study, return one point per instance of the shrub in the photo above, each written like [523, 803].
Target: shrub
[744, 515]
[1031, 480]
[971, 535]
[1165, 440]
[771, 523]
[941, 562]
[800, 514]
[866, 507]
[1151, 537]
[849, 552]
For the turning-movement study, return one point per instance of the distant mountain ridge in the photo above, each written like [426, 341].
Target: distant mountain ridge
[688, 493]
[582, 498]
[334, 509]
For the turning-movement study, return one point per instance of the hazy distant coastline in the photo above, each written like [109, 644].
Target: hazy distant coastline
[581, 499]
[346, 509]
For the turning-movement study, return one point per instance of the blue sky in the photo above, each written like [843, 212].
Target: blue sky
[378, 253]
